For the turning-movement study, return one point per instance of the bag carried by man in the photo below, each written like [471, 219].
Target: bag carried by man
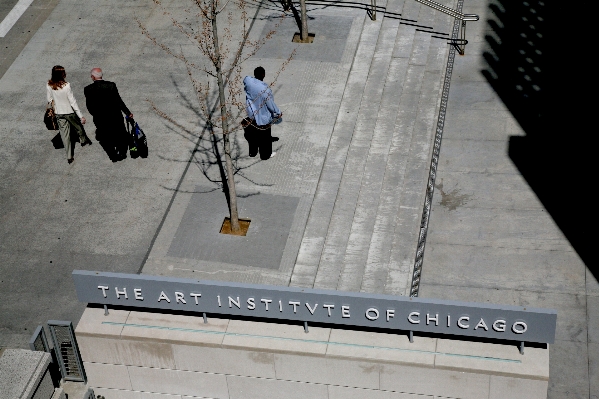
[138, 146]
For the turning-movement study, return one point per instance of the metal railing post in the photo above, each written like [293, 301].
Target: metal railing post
[373, 10]
[459, 44]
[462, 45]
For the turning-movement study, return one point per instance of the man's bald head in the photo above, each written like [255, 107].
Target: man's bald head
[96, 73]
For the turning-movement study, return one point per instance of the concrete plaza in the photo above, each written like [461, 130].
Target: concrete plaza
[339, 206]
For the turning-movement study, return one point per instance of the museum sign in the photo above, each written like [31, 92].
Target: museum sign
[319, 306]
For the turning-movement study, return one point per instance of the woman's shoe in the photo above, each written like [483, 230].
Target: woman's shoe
[71, 160]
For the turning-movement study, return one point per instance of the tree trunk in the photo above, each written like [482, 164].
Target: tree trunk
[304, 30]
[225, 125]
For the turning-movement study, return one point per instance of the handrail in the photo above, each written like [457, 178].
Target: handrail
[460, 44]
[449, 11]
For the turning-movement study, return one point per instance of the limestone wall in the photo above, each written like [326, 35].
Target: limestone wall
[137, 355]
[24, 374]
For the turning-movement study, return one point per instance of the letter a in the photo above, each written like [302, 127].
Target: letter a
[163, 297]
[482, 324]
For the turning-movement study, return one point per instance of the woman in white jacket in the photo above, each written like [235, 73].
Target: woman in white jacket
[66, 110]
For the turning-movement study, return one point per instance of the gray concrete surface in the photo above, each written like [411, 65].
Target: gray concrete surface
[262, 246]
[354, 148]
[23, 30]
[75, 390]
[92, 214]
[24, 374]
[491, 239]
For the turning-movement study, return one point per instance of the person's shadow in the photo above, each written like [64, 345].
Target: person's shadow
[58, 144]
[538, 69]
[109, 148]
[120, 146]
[57, 141]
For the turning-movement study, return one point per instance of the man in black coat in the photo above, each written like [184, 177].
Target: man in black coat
[105, 105]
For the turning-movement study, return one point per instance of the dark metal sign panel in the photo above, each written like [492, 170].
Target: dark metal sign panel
[319, 306]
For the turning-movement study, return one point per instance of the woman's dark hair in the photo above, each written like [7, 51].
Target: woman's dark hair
[58, 77]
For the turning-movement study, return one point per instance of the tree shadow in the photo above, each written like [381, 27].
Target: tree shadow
[207, 154]
[536, 70]
[289, 6]
[324, 4]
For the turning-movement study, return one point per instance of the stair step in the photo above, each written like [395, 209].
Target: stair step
[311, 248]
[332, 258]
[362, 231]
[377, 175]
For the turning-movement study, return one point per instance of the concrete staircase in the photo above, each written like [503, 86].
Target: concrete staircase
[373, 181]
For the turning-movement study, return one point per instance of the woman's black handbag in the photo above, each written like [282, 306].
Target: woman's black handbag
[50, 117]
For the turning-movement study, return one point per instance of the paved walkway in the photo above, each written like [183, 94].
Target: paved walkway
[490, 238]
[23, 29]
[93, 214]
[338, 207]
[354, 153]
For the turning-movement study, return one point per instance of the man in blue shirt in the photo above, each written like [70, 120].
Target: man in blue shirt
[262, 113]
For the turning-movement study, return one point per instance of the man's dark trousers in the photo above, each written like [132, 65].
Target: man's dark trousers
[259, 140]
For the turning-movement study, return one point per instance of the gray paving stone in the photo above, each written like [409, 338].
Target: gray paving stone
[523, 229]
[454, 190]
[328, 45]
[437, 55]
[594, 370]
[477, 124]
[404, 41]
[385, 224]
[22, 371]
[480, 156]
[331, 264]
[412, 86]
[198, 234]
[593, 319]
[469, 67]
[592, 284]
[411, 10]
[23, 30]
[568, 376]
[420, 46]
[498, 267]
[401, 248]
[474, 95]
[357, 271]
[572, 324]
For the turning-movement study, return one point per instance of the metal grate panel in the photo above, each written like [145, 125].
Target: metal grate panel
[38, 341]
[67, 352]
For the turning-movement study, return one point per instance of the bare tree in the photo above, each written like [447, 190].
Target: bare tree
[225, 68]
[304, 29]
[301, 19]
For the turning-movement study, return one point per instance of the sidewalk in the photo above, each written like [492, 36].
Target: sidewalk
[338, 207]
[98, 215]
[490, 238]
[92, 214]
